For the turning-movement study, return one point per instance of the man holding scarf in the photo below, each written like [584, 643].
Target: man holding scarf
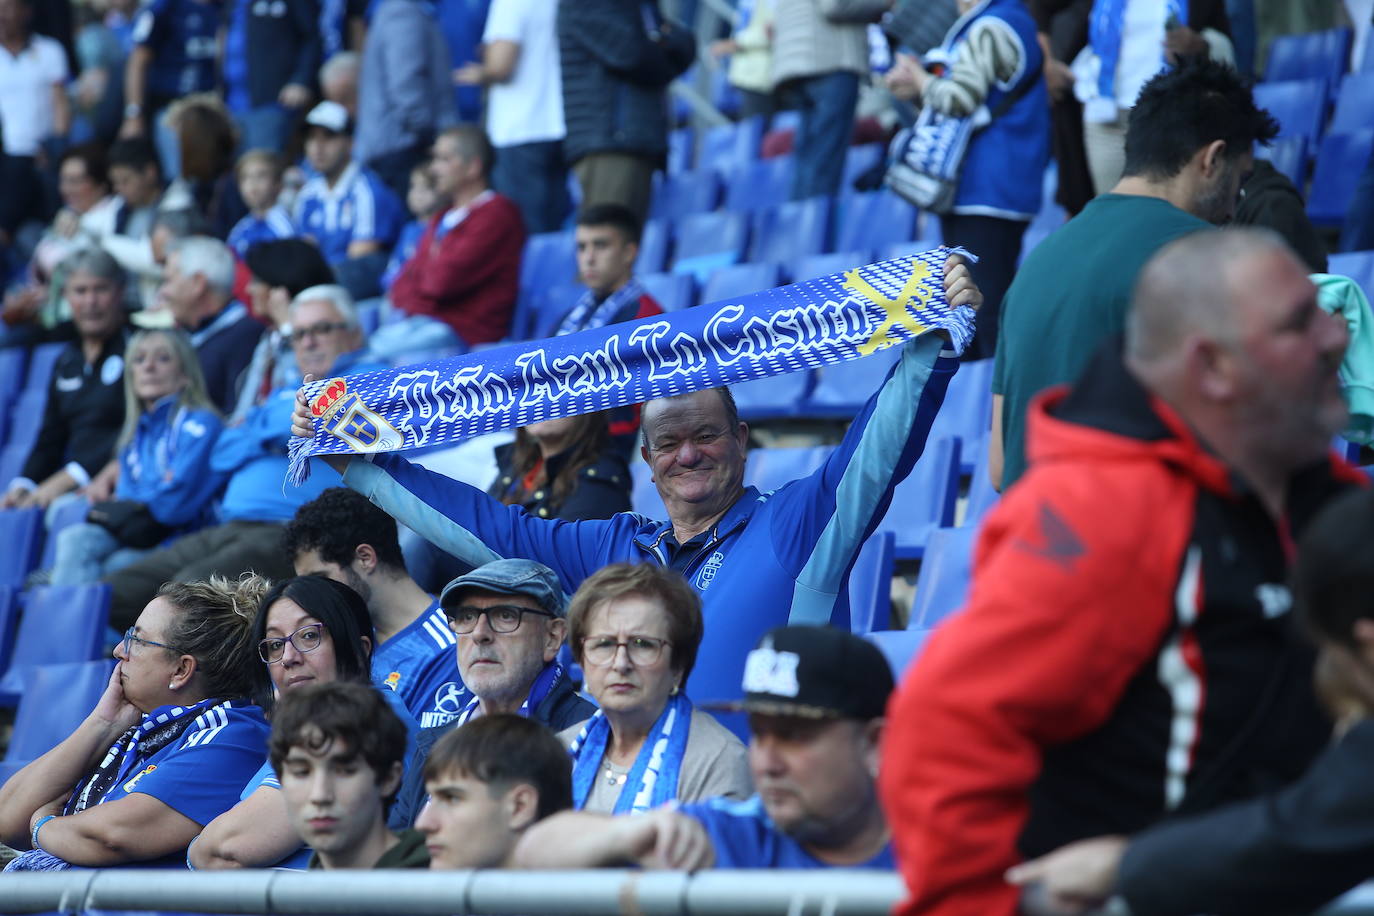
[510, 618]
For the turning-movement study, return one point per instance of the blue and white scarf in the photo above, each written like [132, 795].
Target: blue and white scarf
[788, 329]
[1104, 35]
[653, 779]
[588, 313]
[539, 690]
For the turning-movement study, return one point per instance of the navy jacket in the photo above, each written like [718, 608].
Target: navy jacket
[615, 75]
[283, 44]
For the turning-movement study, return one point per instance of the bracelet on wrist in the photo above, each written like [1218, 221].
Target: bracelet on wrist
[33, 834]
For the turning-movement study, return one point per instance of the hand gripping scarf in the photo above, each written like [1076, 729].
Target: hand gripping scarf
[788, 329]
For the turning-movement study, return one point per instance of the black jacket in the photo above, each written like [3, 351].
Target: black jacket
[1289, 852]
[225, 352]
[615, 73]
[603, 487]
[283, 45]
[562, 708]
[1269, 199]
[84, 412]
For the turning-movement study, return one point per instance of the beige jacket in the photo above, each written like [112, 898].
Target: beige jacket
[813, 37]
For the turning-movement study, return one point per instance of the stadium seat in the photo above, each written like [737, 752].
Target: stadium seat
[723, 94]
[1315, 55]
[771, 468]
[41, 362]
[26, 419]
[707, 242]
[12, 363]
[926, 499]
[740, 280]
[653, 247]
[1357, 265]
[773, 397]
[981, 495]
[815, 266]
[12, 458]
[942, 584]
[550, 306]
[842, 388]
[1289, 156]
[1298, 105]
[70, 512]
[731, 146]
[672, 291]
[860, 159]
[790, 230]
[899, 647]
[1354, 104]
[644, 496]
[549, 259]
[680, 143]
[80, 613]
[967, 411]
[9, 616]
[870, 584]
[21, 534]
[906, 249]
[760, 184]
[676, 196]
[873, 219]
[56, 699]
[1367, 64]
[1341, 159]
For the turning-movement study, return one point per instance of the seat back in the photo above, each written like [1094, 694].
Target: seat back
[1354, 104]
[967, 410]
[80, 613]
[730, 146]
[873, 219]
[870, 584]
[841, 389]
[1289, 156]
[899, 647]
[815, 266]
[549, 259]
[681, 143]
[772, 397]
[56, 699]
[9, 616]
[550, 306]
[707, 242]
[769, 469]
[653, 246]
[27, 419]
[1314, 55]
[860, 159]
[41, 363]
[981, 495]
[946, 568]
[926, 499]
[1298, 105]
[740, 280]
[790, 230]
[672, 291]
[69, 512]
[688, 192]
[1357, 265]
[643, 494]
[21, 537]
[1341, 159]
[760, 184]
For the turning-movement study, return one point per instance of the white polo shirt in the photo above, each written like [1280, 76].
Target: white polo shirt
[26, 81]
[529, 108]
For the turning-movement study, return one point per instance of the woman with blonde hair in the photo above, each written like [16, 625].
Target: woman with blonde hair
[163, 467]
[167, 748]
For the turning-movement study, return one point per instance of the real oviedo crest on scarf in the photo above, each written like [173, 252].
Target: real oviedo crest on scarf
[788, 329]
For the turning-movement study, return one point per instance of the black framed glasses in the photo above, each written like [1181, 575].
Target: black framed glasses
[306, 639]
[502, 618]
[316, 330]
[129, 639]
[642, 650]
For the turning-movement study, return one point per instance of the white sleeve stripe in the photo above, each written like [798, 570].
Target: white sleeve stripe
[365, 210]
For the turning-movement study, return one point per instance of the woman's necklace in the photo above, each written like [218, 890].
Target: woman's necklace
[612, 779]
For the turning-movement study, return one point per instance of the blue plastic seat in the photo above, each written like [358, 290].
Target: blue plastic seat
[899, 647]
[550, 307]
[791, 230]
[70, 512]
[967, 411]
[787, 119]
[1289, 156]
[906, 249]
[842, 388]
[1357, 265]
[26, 419]
[946, 568]
[80, 613]
[772, 468]
[860, 159]
[1298, 105]
[13, 361]
[1354, 104]
[653, 247]
[21, 534]
[815, 266]
[679, 195]
[12, 458]
[41, 362]
[9, 616]
[57, 698]
[981, 495]
[926, 499]
[773, 397]
[873, 219]
[1341, 159]
[1315, 55]
[549, 259]
[870, 584]
[680, 148]
[740, 280]
[707, 242]
[760, 184]
[723, 94]
[730, 146]
[672, 291]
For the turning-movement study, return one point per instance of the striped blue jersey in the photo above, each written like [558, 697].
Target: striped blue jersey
[359, 208]
[420, 663]
[272, 225]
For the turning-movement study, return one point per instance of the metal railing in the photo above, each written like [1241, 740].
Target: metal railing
[446, 893]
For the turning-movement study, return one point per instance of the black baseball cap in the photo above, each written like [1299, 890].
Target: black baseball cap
[815, 673]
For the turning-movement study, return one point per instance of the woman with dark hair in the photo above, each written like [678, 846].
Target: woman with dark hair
[566, 468]
[308, 630]
[165, 750]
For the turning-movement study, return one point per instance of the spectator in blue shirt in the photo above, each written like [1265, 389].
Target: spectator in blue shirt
[175, 46]
[161, 480]
[258, 174]
[271, 51]
[423, 202]
[346, 208]
[816, 698]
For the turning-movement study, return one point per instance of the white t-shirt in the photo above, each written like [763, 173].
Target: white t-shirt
[1142, 49]
[26, 81]
[528, 108]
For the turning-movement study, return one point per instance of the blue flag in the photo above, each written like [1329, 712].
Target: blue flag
[789, 329]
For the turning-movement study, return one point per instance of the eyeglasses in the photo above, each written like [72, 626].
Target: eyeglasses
[307, 639]
[642, 650]
[502, 618]
[129, 639]
[316, 330]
